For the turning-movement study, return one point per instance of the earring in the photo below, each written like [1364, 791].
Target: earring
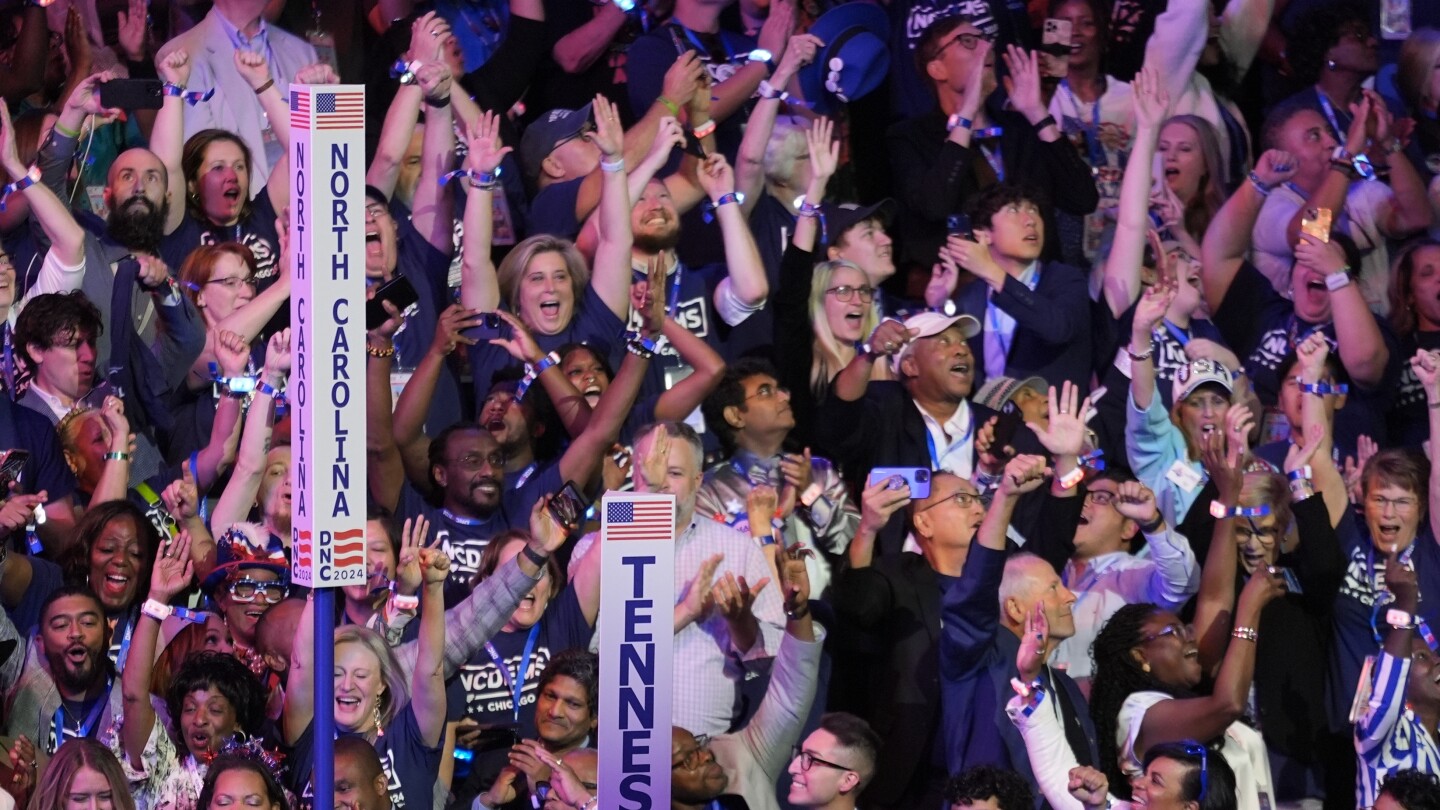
[379, 731]
[1330, 64]
[1145, 667]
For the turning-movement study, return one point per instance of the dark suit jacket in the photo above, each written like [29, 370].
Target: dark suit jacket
[897, 601]
[977, 661]
[1052, 336]
[881, 429]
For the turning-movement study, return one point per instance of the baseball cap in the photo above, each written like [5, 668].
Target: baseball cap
[841, 218]
[1200, 372]
[930, 324]
[549, 131]
[999, 390]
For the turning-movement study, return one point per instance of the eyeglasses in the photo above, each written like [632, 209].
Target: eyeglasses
[1400, 504]
[1179, 631]
[375, 212]
[246, 590]
[768, 391]
[585, 129]
[234, 283]
[474, 461]
[962, 499]
[809, 760]
[695, 757]
[1101, 497]
[845, 293]
[1198, 750]
[1252, 529]
[967, 41]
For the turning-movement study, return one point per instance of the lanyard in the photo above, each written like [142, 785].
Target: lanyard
[7, 360]
[90, 720]
[525, 475]
[200, 503]
[700, 46]
[994, 159]
[517, 681]
[930, 442]
[672, 305]
[1092, 131]
[1383, 598]
[463, 521]
[1330, 116]
[1181, 336]
[129, 620]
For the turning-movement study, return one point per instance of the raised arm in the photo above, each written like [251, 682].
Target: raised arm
[172, 573]
[67, 239]
[1227, 240]
[824, 153]
[382, 456]
[1122, 268]
[433, 214]
[610, 272]
[685, 396]
[745, 287]
[1151, 309]
[413, 407]
[570, 405]
[425, 46]
[479, 285]
[1410, 211]
[115, 476]
[582, 459]
[239, 495]
[300, 682]
[427, 682]
[750, 161]
[1336, 184]
[1362, 348]
[250, 318]
[167, 137]
[1215, 605]
[1427, 369]
[1204, 718]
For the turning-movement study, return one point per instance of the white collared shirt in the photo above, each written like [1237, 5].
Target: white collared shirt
[953, 443]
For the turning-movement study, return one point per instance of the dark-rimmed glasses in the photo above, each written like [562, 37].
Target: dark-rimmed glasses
[846, 293]
[1101, 497]
[695, 757]
[967, 41]
[234, 283]
[809, 760]
[768, 391]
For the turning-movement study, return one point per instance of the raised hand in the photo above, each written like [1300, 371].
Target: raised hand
[1264, 585]
[277, 353]
[253, 67]
[990, 458]
[681, 79]
[716, 177]
[408, 564]
[428, 37]
[9, 154]
[1239, 422]
[1360, 124]
[824, 151]
[1136, 501]
[453, 320]
[521, 344]
[1152, 100]
[1224, 467]
[182, 497]
[132, 32]
[698, 595]
[1152, 307]
[669, 136]
[318, 73]
[173, 568]
[434, 565]
[545, 531]
[1023, 474]
[1426, 365]
[607, 136]
[794, 580]
[386, 331]
[1297, 456]
[889, 337]
[975, 82]
[232, 353]
[944, 279]
[734, 598]
[85, 98]
[879, 502]
[1031, 655]
[799, 52]
[485, 147]
[1313, 352]
[1065, 435]
[1023, 83]
[1276, 166]
[657, 459]
[1090, 787]
[1401, 580]
[112, 413]
[434, 79]
[1326, 257]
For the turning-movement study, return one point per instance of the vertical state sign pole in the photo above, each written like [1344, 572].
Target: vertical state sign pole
[637, 547]
[327, 381]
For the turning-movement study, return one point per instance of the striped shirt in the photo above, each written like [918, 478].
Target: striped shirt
[1389, 737]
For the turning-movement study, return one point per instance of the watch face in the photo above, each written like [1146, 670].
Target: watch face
[1363, 167]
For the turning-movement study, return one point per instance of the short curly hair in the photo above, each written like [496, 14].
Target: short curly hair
[1319, 30]
[55, 317]
[979, 783]
[223, 673]
[1412, 789]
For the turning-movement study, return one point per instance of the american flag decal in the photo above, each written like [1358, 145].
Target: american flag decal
[299, 109]
[339, 110]
[637, 520]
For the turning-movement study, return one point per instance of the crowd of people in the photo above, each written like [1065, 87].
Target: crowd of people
[1046, 390]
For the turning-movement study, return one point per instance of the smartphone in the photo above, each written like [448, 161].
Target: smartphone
[1057, 32]
[693, 146]
[488, 329]
[917, 477]
[959, 225]
[398, 291]
[12, 463]
[1292, 582]
[1316, 222]
[497, 738]
[568, 507]
[1009, 421]
[132, 94]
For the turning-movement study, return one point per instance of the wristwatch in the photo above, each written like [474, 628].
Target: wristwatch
[1338, 279]
[1399, 618]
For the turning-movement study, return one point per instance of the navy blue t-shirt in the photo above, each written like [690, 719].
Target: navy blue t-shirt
[689, 296]
[721, 54]
[592, 324]
[1261, 327]
[45, 471]
[463, 539]
[410, 764]
[1358, 619]
[255, 231]
[428, 270]
[553, 209]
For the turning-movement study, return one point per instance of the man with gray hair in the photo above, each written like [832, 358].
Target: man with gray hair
[982, 634]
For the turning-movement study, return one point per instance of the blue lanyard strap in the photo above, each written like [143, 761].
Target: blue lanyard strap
[1329, 110]
[200, 504]
[517, 681]
[90, 720]
[700, 46]
[129, 620]
[930, 442]
[993, 157]
[1181, 336]
[1092, 130]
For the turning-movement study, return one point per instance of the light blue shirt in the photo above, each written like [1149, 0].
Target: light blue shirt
[1000, 327]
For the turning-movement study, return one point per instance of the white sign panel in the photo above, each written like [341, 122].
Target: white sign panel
[637, 612]
[327, 333]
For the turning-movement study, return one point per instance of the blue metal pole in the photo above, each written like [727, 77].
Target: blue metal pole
[324, 769]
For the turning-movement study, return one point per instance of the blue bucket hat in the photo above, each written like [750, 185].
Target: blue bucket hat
[855, 59]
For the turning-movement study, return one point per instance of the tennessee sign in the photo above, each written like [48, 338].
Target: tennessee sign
[637, 563]
[327, 333]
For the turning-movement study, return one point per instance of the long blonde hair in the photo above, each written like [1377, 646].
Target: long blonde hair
[397, 693]
[828, 354]
[59, 775]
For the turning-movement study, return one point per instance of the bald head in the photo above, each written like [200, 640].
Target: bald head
[275, 633]
[360, 782]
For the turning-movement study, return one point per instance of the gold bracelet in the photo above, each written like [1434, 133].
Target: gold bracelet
[374, 352]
